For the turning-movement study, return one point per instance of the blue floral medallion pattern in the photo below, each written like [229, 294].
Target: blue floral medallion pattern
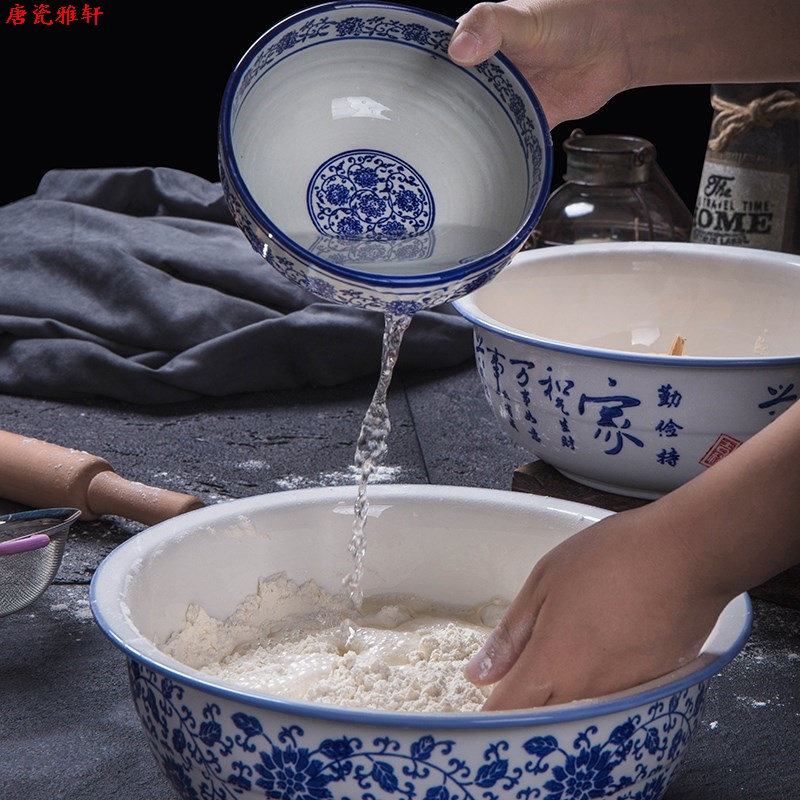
[367, 194]
[208, 753]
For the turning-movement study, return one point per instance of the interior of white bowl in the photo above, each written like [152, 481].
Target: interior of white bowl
[457, 546]
[349, 122]
[727, 302]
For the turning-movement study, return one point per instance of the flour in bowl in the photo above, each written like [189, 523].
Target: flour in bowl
[300, 642]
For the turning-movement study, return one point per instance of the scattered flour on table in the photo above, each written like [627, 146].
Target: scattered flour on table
[298, 641]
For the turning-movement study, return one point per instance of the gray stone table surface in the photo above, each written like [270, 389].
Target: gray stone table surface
[68, 730]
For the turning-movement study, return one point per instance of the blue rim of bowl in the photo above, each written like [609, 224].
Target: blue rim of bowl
[468, 308]
[583, 709]
[506, 251]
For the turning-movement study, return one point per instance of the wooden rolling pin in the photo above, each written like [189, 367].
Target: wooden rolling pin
[43, 475]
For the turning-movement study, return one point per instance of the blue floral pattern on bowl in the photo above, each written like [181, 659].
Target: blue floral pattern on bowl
[218, 740]
[400, 299]
[367, 193]
[223, 751]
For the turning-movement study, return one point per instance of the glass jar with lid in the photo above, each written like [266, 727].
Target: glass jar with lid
[614, 191]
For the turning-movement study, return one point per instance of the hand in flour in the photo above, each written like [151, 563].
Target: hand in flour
[577, 54]
[602, 612]
[635, 595]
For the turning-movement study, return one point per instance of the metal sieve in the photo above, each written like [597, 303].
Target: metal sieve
[31, 547]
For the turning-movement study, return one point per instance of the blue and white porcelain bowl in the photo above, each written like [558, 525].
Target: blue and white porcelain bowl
[449, 544]
[572, 347]
[366, 166]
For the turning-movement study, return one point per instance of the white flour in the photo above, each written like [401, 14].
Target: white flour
[301, 642]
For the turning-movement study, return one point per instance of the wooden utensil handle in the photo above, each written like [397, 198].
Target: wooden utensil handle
[43, 475]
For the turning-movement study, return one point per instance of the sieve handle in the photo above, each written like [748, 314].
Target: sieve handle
[23, 544]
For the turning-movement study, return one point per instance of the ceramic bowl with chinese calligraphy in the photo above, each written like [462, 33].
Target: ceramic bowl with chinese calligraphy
[577, 348]
[451, 545]
[366, 166]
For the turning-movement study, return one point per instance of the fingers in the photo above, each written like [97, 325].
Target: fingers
[495, 658]
[575, 54]
[477, 37]
[487, 28]
[508, 639]
[520, 691]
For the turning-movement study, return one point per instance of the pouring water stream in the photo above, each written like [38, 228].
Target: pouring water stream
[372, 447]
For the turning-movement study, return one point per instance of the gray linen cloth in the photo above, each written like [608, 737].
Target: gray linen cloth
[135, 284]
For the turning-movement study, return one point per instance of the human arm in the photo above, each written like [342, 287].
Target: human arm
[635, 595]
[578, 54]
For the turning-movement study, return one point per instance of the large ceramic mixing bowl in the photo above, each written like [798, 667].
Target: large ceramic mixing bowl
[447, 544]
[573, 349]
[366, 166]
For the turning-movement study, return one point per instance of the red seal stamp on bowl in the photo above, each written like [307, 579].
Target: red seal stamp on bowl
[723, 445]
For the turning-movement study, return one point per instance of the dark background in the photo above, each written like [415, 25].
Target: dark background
[143, 87]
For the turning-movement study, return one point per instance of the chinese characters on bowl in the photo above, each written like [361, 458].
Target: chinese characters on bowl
[572, 348]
